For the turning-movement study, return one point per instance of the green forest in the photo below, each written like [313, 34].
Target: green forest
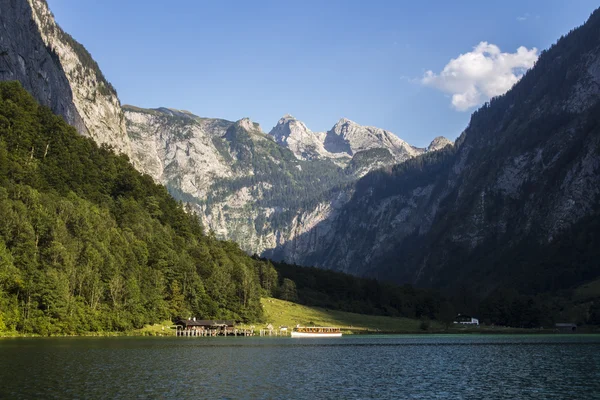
[339, 291]
[88, 244]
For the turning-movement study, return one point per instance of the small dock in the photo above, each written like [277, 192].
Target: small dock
[214, 328]
[214, 332]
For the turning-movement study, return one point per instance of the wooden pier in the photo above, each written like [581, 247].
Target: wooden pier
[213, 328]
[214, 332]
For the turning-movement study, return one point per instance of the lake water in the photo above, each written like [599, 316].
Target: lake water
[353, 367]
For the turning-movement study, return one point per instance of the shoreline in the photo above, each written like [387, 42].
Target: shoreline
[482, 332]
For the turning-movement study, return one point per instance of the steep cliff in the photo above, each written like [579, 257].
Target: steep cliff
[94, 97]
[25, 57]
[177, 148]
[514, 202]
[59, 72]
[304, 143]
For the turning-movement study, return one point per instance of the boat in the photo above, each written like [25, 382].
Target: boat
[316, 332]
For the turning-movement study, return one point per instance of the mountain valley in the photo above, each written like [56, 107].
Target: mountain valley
[512, 203]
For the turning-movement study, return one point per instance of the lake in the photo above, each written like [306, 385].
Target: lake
[353, 367]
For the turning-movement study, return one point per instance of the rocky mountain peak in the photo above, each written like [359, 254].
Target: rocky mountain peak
[344, 121]
[249, 125]
[287, 126]
[439, 143]
[343, 141]
[344, 125]
[295, 135]
[349, 137]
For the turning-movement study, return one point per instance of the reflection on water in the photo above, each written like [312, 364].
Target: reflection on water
[353, 367]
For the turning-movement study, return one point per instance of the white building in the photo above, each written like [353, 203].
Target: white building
[466, 320]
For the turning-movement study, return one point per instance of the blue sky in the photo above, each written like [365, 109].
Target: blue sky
[318, 60]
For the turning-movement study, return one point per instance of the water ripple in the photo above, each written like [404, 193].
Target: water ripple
[382, 367]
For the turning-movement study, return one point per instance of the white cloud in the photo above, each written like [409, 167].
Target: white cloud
[475, 77]
[523, 17]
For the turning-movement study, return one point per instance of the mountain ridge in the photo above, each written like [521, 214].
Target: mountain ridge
[521, 176]
[344, 140]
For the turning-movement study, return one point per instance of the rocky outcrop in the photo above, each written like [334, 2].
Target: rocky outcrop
[259, 190]
[93, 96]
[293, 134]
[221, 169]
[26, 58]
[345, 139]
[59, 72]
[350, 138]
[438, 143]
[178, 149]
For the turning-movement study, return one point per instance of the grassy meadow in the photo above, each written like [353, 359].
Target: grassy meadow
[284, 313]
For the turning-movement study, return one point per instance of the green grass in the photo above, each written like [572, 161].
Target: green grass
[587, 291]
[284, 313]
[162, 329]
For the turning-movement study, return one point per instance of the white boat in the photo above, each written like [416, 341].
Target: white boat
[316, 332]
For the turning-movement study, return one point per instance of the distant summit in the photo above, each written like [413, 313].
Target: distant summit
[439, 143]
[344, 140]
[293, 134]
[348, 137]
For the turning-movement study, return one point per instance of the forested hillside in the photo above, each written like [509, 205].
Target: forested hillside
[513, 205]
[335, 290]
[504, 307]
[89, 244]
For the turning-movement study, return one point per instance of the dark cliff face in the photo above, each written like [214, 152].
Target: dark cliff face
[25, 58]
[498, 208]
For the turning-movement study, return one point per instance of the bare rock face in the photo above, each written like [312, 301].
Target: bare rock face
[248, 125]
[438, 143]
[345, 140]
[94, 97]
[59, 72]
[178, 149]
[293, 134]
[219, 169]
[247, 186]
[26, 58]
[349, 137]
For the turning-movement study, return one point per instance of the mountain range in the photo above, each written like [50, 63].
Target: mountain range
[513, 202]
